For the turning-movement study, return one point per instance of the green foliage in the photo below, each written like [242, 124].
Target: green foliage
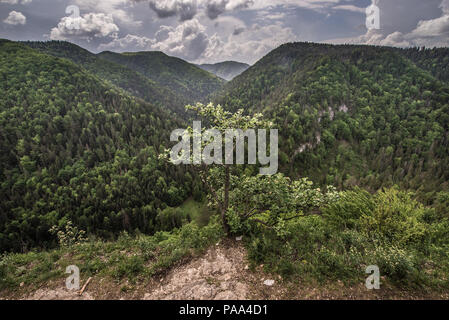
[74, 148]
[128, 258]
[387, 229]
[397, 217]
[181, 77]
[273, 200]
[354, 115]
[68, 235]
[125, 78]
[171, 218]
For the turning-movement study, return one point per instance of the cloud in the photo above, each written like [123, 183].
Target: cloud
[184, 9]
[117, 8]
[410, 32]
[349, 8]
[214, 8]
[87, 27]
[231, 39]
[128, 43]
[249, 46]
[15, 18]
[188, 40]
[431, 28]
[445, 6]
[188, 9]
[237, 31]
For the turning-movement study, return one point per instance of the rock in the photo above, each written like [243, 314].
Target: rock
[226, 295]
[216, 275]
[268, 282]
[58, 294]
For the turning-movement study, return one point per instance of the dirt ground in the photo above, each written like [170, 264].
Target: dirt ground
[222, 273]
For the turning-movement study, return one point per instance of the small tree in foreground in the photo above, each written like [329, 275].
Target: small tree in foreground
[236, 192]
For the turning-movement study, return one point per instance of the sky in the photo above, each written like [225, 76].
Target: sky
[210, 31]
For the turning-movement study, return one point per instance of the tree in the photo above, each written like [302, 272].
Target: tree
[265, 199]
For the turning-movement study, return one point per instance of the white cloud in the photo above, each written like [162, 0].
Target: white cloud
[349, 8]
[445, 6]
[249, 46]
[128, 43]
[214, 8]
[185, 9]
[117, 8]
[188, 41]
[15, 18]
[89, 26]
[429, 33]
[432, 28]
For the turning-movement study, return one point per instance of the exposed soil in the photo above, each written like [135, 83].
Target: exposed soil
[222, 273]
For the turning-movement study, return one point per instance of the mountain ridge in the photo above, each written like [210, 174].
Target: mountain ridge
[227, 70]
[305, 87]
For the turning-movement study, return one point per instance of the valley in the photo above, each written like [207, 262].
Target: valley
[362, 179]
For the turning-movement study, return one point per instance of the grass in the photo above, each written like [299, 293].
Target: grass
[131, 258]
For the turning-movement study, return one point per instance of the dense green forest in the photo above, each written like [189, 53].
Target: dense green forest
[355, 115]
[189, 81]
[364, 152]
[165, 90]
[75, 148]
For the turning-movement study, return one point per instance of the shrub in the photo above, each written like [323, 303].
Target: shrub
[68, 234]
[396, 216]
[346, 212]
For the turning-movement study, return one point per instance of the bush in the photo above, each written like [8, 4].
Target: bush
[68, 234]
[389, 229]
[351, 206]
[396, 216]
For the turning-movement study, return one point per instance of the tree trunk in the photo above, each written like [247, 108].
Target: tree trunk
[226, 200]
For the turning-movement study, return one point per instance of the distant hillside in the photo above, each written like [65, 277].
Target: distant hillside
[227, 70]
[74, 148]
[121, 76]
[354, 115]
[435, 60]
[186, 79]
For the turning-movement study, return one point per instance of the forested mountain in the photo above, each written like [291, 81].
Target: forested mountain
[74, 148]
[135, 83]
[435, 60]
[186, 79]
[227, 70]
[354, 115]
[82, 160]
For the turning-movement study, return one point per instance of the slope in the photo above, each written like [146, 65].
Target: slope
[127, 79]
[187, 80]
[74, 148]
[351, 115]
[227, 70]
